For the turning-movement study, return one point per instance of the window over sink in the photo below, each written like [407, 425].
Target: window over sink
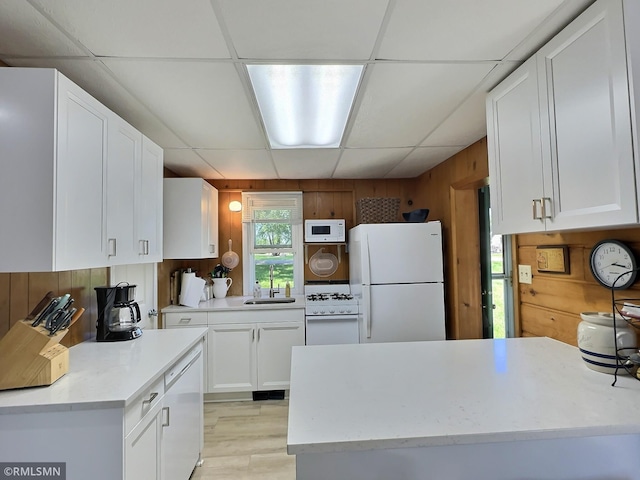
[272, 231]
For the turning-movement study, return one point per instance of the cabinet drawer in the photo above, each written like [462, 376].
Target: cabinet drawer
[185, 319]
[143, 404]
[257, 316]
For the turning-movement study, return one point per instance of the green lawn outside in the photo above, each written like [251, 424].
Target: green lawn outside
[282, 270]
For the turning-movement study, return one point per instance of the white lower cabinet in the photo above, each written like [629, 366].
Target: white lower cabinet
[191, 320]
[273, 349]
[232, 367]
[251, 350]
[182, 418]
[164, 425]
[143, 446]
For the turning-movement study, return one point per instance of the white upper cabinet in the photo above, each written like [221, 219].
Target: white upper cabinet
[80, 187]
[124, 154]
[134, 196]
[559, 129]
[513, 141]
[53, 147]
[149, 203]
[190, 219]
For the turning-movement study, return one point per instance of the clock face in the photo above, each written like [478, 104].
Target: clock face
[609, 260]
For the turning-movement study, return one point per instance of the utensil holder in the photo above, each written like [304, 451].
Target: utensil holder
[31, 357]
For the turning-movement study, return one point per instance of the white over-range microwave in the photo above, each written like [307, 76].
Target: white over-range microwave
[324, 231]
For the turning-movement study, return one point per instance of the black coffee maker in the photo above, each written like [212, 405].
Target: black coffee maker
[118, 313]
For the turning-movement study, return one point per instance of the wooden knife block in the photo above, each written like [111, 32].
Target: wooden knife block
[30, 357]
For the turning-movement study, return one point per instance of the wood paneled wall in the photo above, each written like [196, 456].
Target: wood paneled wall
[20, 293]
[322, 199]
[551, 305]
[450, 191]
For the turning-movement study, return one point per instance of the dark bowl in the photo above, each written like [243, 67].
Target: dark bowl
[416, 216]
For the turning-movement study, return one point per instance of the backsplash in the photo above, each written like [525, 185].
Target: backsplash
[20, 293]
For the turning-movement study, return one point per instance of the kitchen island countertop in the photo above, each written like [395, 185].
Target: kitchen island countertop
[423, 394]
[105, 374]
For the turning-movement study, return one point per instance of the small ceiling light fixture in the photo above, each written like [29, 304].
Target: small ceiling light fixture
[235, 206]
[305, 106]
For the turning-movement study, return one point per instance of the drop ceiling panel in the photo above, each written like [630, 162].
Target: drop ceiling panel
[421, 160]
[294, 29]
[187, 163]
[369, 162]
[141, 28]
[24, 31]
[465, 126]
[401, 103]
[461, 30]
[569, 10]
[204, 103]
[305, 163]
[239, 164]
[93, 77]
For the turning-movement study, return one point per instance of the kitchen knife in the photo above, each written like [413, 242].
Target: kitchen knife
[53, 318]
[63, 302]
[41, 304]
[45, 313]
[63, 321]
[75, 316]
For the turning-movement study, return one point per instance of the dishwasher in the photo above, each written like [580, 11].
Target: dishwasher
[183, 417]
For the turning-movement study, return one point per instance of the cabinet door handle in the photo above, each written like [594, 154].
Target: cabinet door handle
[150, 399]
[253, 335]
[543, 202]
[112, 247]
[259, 334]
[212, 248]
[185, 320]
[143, 247]
[535, 209]
[166, 410]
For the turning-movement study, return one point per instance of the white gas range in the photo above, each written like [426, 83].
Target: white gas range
[331, 314]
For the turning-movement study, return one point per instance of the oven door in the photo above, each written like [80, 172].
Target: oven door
[332, 329]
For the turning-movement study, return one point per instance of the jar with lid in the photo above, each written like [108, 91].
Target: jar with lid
[598, 345]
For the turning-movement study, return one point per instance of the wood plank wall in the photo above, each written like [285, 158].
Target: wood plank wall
[450, 191]
[552, 304]
[322, 199]
[20, 292]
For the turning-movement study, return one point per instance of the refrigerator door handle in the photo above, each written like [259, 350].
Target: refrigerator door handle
[366, 310]
[366, 260]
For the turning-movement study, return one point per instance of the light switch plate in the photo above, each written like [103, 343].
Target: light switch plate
[524, 273]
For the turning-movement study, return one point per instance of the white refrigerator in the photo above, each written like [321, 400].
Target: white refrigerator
[396, 273]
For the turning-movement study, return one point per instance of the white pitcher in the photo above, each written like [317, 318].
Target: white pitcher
[221, 286]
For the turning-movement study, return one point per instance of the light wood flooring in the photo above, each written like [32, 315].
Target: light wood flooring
[246, 441]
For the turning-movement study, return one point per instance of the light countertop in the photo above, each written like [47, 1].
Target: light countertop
[105, 374]
[235, 303]
[417, 394]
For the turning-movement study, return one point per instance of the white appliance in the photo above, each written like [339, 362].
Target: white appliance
[324, 231]
[331, 315]
[396, 274]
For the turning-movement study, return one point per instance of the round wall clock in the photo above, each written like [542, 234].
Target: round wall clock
[609, 260]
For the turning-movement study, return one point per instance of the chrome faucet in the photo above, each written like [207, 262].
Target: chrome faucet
[272, 292]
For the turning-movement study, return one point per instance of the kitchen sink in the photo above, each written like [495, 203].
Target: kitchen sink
[265, 301]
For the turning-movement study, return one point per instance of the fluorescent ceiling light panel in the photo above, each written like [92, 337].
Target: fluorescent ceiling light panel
[305, 106]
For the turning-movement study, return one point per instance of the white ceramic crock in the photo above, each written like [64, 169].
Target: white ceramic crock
[597, 344]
